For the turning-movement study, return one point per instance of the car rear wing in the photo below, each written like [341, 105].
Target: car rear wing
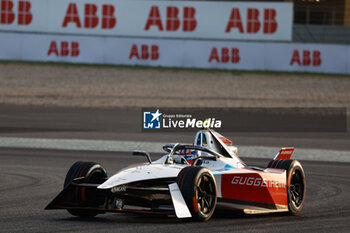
[284, 153]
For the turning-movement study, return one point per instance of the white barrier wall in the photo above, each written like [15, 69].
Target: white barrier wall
[146, 18]
[176, 53]
[162, 33]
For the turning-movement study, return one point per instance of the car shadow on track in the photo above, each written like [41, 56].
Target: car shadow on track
[221, 214]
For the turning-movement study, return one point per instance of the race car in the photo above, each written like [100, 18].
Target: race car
[190, 181]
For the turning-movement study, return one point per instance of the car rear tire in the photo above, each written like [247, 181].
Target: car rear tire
[198, 187]
[92, 173]
[296, 183]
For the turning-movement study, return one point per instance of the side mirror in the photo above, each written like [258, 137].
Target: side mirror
[142, 153]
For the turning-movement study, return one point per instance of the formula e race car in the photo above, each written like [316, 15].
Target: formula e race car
[189, 181]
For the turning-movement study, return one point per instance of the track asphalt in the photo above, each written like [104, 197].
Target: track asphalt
[30, 177]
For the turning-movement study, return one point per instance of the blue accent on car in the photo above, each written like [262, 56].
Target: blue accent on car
[226, 168]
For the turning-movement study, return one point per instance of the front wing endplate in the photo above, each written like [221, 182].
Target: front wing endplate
[181, 209]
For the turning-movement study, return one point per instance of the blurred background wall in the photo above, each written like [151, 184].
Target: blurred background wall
[298, 35]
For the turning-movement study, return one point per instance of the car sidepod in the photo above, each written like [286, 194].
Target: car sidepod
[244, 188]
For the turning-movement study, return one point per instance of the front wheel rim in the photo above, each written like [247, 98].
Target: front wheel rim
[205, 194]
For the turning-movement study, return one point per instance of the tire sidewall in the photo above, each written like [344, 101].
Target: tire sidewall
[295, 166]
[203, 172]
[90, 171]
[187, 180]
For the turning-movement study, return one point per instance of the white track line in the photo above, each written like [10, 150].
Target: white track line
[156, 147]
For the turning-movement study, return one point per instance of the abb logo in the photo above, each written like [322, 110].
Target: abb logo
[254, 25]
[66, 50]
[145, 52]
[7, 14]
[227, 55]
[173, 22]
[91, 20]
[308, 58]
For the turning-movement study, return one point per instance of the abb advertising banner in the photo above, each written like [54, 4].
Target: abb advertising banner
[320, 58]
[146, 18]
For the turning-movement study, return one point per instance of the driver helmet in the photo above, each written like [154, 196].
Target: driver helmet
[189, 155]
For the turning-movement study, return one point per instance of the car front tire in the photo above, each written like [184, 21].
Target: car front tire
[198, 187]
[92, 173]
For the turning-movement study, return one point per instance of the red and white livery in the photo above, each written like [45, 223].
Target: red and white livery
[189, 181]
